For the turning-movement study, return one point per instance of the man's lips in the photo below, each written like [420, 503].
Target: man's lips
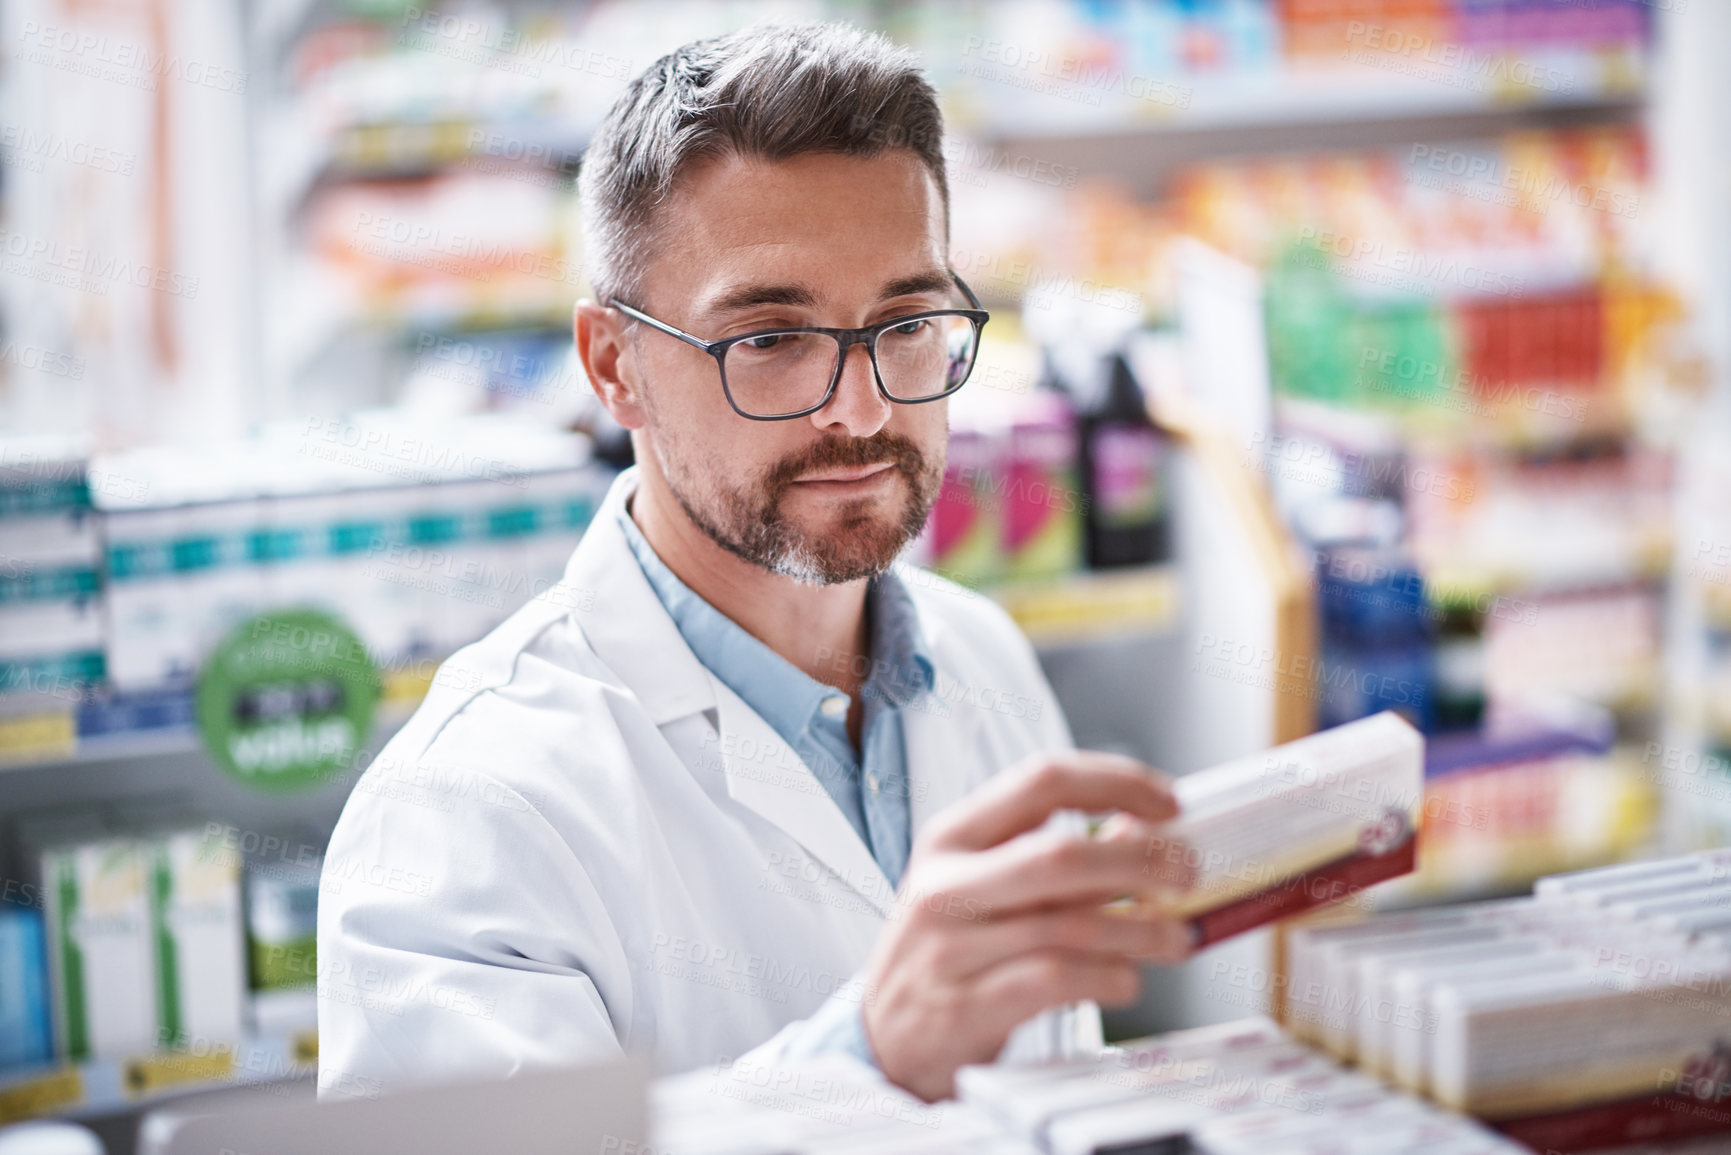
[858, 473]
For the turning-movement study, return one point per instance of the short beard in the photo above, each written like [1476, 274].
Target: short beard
[751, 524]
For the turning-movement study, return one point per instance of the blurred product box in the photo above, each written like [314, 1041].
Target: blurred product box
[1048, 479]
[102, 958]
[195, 908]
[1043, 503]
[282, 923]
[50, 579]
[1305, 824]
[146, 941]
[1591, 1014]
[420, 538]
[26, 1033]
[964, 539]
[1240, 1088]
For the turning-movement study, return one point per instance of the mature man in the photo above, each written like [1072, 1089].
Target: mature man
[740, 782]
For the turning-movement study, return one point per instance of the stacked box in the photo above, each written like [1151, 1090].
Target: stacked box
[145, 942]
[1308, 823]
[50, 579]
[1596, 1012]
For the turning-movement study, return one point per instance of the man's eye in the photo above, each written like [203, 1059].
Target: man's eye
[909, 328]
[767, 341]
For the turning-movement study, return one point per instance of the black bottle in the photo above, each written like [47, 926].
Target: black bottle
[1124, 474]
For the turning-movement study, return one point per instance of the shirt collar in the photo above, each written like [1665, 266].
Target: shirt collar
[900, 671]
[781, 693]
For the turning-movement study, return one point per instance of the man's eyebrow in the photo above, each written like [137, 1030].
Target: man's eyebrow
[750, 296]
[932, 281]
[799, 296]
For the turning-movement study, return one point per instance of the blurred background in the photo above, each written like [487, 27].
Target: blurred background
[1345, 355]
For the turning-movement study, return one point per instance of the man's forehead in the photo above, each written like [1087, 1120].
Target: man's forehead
[797, 229]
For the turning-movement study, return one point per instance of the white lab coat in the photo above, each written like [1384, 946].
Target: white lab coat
[584, 843]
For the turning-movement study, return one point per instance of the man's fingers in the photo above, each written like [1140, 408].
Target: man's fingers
[1166, 858]
[1084, 930]
[1057, 868]
[1022, 798]
[1019, 988]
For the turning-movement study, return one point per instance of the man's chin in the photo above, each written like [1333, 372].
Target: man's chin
[852, 544]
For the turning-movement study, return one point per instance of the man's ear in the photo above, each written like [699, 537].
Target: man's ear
[610, 362]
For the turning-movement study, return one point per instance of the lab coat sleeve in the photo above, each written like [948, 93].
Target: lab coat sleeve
[836, 1027]
[423, 962]
[1063, 1032]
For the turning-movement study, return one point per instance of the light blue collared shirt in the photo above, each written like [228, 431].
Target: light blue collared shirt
[811, 718]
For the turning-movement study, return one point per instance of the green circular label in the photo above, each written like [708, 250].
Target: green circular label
[286, 700]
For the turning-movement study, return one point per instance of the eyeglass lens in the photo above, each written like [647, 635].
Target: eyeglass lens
[777, 373]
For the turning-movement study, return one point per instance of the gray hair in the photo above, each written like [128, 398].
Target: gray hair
[769, 92]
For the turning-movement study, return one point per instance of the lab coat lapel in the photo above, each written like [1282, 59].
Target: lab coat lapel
[765, 775]
[632, 633]
[943, 759]
[626, 624]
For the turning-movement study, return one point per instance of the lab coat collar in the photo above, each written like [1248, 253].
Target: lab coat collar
[633, 635]
[624, 621]
[765, 775]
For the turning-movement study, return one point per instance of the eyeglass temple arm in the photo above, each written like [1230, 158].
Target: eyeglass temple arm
[973, 299]
[699, 342]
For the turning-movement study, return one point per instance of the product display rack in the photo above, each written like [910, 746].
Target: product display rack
[1277, 111]
[109, 1086]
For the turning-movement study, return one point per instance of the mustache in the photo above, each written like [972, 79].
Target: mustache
[846, 453]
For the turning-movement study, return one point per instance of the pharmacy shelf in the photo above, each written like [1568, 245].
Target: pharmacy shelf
[392, 149]
[1093, 606]
[105, 1086]
[1079, 609]
[1284, 115]
[1393, 90]
[1454, 579]
[126, 726]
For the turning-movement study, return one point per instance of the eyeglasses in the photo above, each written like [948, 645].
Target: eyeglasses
[778, 374]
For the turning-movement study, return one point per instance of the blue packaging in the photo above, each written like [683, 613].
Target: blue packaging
[25, 1036]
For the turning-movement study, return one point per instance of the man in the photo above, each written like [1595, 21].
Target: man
[738, 782]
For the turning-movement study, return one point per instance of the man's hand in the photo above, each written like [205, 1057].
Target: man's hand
[998, 920]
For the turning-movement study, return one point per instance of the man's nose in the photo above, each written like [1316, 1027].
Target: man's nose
[857, 407]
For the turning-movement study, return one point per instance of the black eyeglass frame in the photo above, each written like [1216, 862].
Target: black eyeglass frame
[845, 339]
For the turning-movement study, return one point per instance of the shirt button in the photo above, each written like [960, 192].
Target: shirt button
[834, 706]
[871, 782]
